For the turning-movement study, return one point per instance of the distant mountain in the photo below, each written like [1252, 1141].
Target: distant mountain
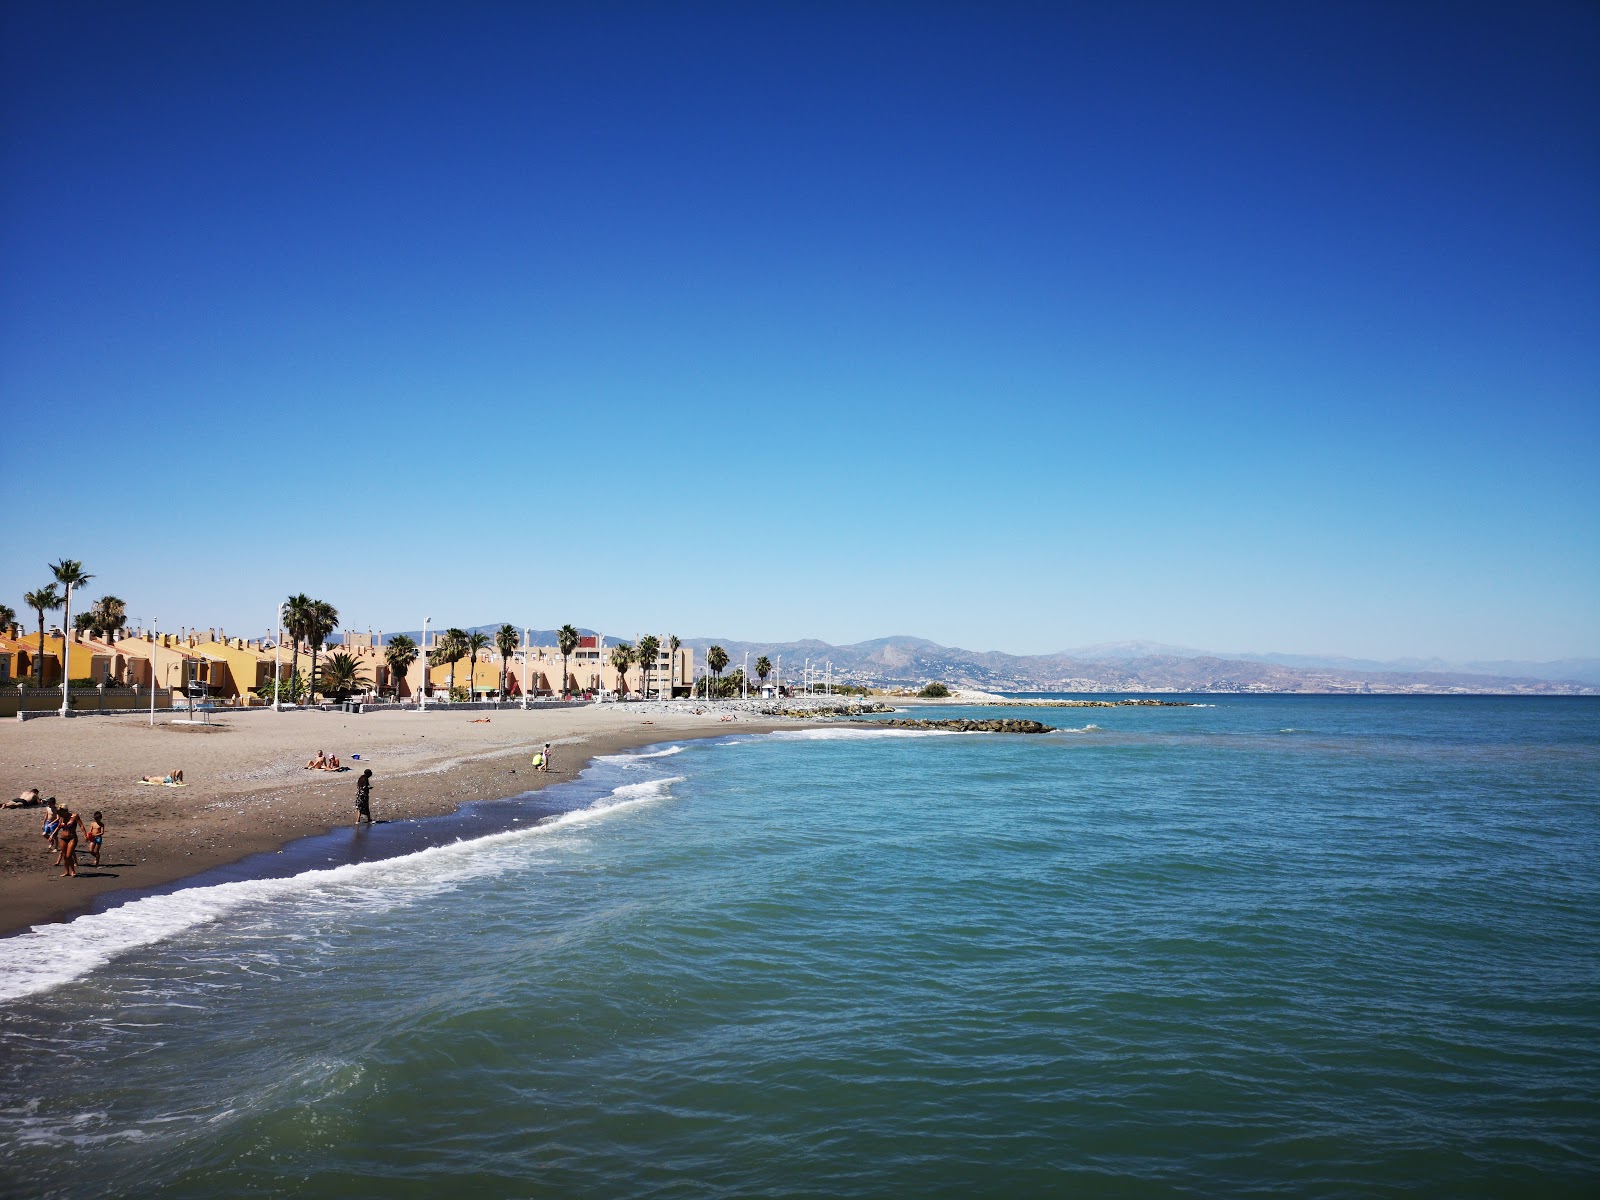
[1132, 667]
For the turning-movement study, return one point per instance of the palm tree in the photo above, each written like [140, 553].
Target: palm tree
[8, 616]
[717, 660]
[449, 649]
[69, 574]
[649, 649]
[46, 599]
[399, 654]
[297, 617]
[341, 675]
[673, 645]
[324, 620]
[567, 639]
[763, 668]
[621, 660]
[476, 640]
[105, 616]
[506, 640]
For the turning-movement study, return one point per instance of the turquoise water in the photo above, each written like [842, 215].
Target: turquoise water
[1324, 946]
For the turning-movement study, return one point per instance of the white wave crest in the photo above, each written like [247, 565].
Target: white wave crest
[48, 956]
[624, 759]
[836, 734]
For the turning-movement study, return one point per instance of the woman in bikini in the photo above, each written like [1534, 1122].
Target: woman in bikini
[71, 827]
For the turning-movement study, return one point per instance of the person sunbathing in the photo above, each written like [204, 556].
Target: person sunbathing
[171, 777]
[28, 799]
[333, 763]
[319, 763]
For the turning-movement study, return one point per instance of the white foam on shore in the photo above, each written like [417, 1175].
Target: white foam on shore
[48, 956]
[624, 759]
[837, 733]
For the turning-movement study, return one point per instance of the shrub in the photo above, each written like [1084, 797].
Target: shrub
[934, 691]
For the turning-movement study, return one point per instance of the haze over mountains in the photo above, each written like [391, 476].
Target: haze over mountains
[1142, 666]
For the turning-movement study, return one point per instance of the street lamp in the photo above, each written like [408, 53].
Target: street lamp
[527, 667]
[154, 636]
[422, 694]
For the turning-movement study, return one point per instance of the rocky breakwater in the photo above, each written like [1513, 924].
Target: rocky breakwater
[1000, 725]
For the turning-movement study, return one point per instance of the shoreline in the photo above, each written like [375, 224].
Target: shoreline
[248, 793]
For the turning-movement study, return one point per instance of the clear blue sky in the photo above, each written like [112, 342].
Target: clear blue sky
[1242, 326]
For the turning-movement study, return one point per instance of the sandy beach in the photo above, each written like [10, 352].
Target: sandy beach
[247, 789]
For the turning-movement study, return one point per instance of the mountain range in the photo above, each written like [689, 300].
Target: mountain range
[1142, 666]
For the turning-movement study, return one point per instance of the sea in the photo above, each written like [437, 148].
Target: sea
[1260, 945]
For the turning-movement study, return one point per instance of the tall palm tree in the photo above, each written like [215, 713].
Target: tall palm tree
[567, 639]
[69, 574]
[717, 660]
[763, 667]
[506, 640]
[621, 660]
[399, 654]
[342, 675]
[649, 649]
[476, 640]
[449, 648]
[8, 616]
[298, 614]
[324, 620]
[46, 599]
[673, 646]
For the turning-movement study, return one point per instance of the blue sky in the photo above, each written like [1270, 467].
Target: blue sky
[1241, 326]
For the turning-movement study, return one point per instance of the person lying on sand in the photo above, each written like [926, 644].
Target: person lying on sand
[172, 778]
[319, 763]
[478, 721]
[28, 799]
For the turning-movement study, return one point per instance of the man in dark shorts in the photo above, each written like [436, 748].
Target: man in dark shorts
[364, 797]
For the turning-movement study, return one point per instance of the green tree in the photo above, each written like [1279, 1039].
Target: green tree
[399, 654]
[567, 639]
[298, 614]
[763, 668]
[717, 660]
[103, 618]
[8, 616]
[324, 620]
[934, 691]
[448, 649]
[673, 646]
[506, 640]
[69, 574]
[621, 660]
[649, 651]
[341, 676]
[46, 599]
[476, 641]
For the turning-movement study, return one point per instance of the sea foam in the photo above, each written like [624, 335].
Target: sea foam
[47, 956]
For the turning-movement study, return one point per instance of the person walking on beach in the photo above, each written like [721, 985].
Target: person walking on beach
[96, 835]
[364, 797]
[544, 759]
[67, 835]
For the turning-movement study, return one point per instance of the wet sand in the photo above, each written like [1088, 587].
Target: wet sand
[247, 790]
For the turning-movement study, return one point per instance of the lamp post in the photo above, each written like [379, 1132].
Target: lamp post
[277, 665]
[527, 668]
[154, 637]
[422, 693]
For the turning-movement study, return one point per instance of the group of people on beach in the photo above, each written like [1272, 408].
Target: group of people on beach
[64, 829]
[325, 762]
